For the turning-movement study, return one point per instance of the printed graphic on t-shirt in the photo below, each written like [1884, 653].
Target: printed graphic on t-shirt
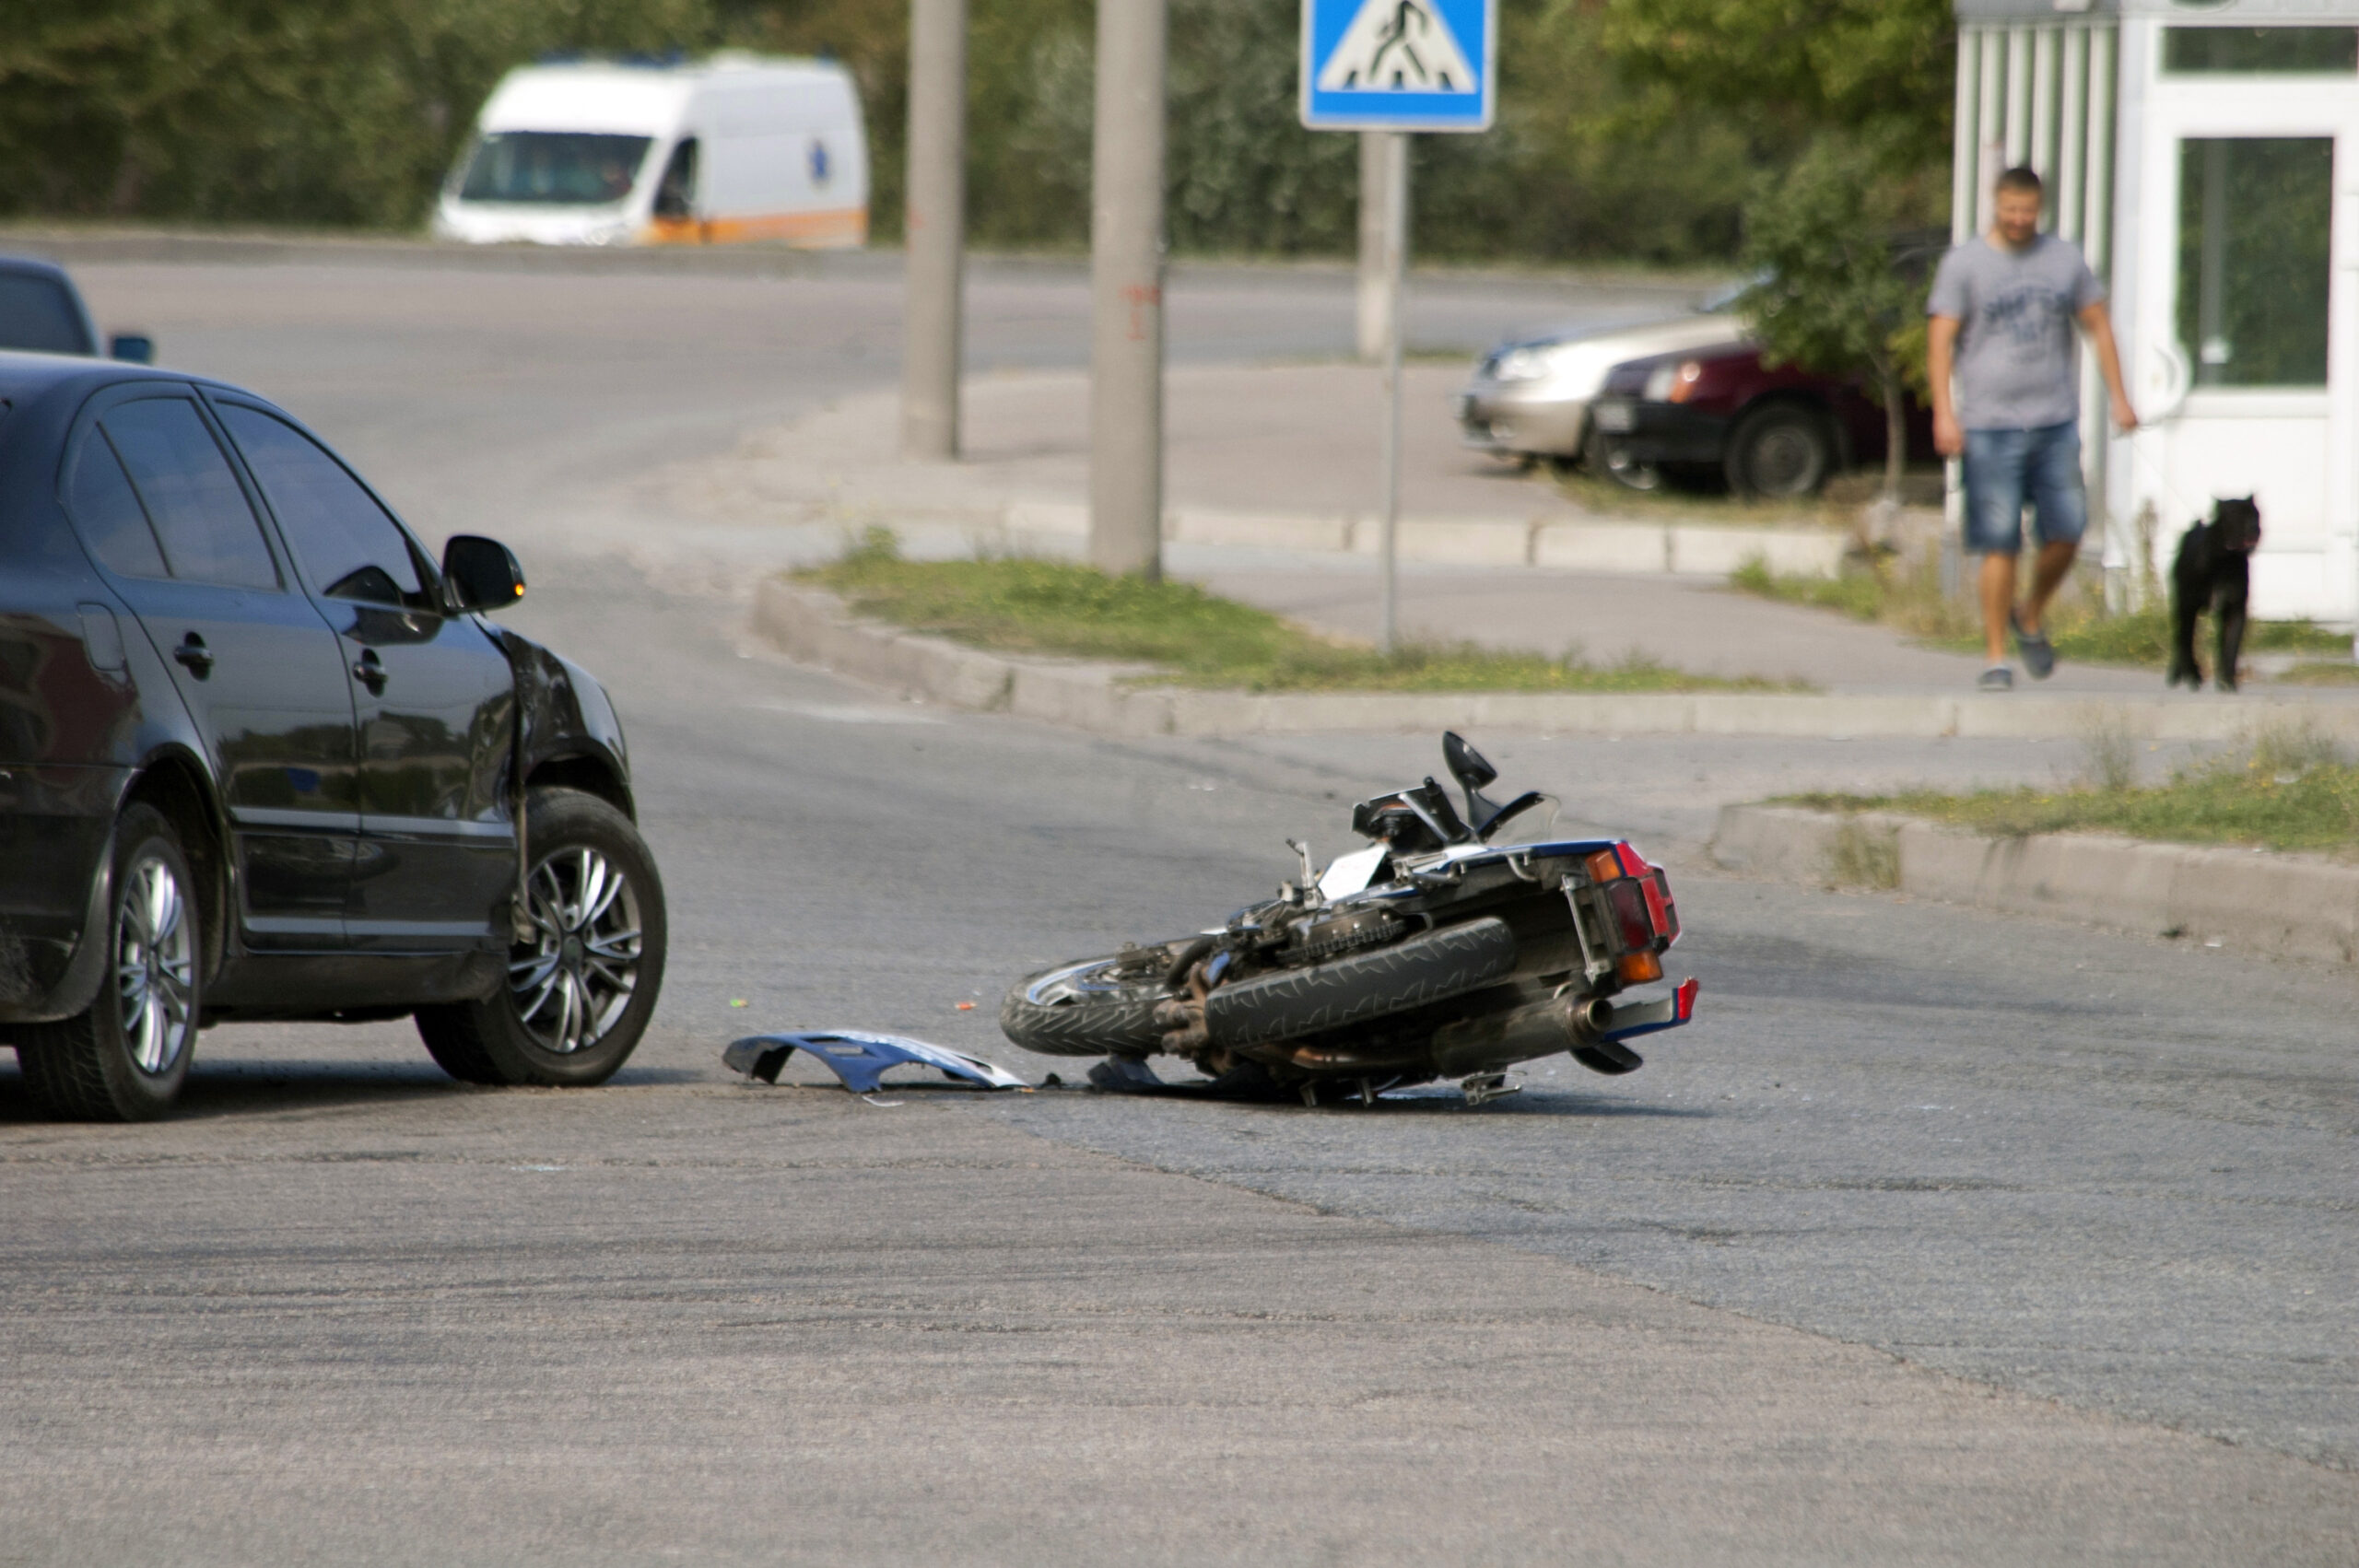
[2027, 315]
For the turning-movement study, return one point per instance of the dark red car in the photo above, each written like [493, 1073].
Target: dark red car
[1767, 432]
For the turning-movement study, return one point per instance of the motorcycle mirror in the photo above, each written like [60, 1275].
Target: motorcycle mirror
[1468, 766]
[1472, 770]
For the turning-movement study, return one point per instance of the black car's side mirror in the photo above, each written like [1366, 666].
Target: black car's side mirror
[479, 574]
[136, 348]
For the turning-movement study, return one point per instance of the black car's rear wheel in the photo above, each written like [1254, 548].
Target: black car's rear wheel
[1782, 451]
[581, 986]
[125, 1056]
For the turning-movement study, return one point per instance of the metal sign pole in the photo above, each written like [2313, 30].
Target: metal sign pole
[1396, 255]
[1388, 69]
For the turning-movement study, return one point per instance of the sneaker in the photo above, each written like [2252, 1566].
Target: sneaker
[1998, 678]
[2039, 657]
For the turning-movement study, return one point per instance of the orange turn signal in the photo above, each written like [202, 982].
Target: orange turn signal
[1604, 866]
[1637, 968]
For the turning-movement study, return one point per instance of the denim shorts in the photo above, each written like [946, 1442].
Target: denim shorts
[2005, 468]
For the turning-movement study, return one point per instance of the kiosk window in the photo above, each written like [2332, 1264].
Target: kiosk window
[2254, 249]
[2261, 51]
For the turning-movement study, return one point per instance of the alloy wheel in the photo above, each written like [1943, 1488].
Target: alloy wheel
[571, 981]
[155, 965]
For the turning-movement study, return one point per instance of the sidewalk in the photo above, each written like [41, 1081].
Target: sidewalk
[1270, 476]
[1277, 457]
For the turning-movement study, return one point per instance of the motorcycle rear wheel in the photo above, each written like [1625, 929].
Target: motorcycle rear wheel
[1085, 1009]
[1429, 967]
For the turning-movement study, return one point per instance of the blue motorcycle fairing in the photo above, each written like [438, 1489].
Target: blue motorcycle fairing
[861, 1059]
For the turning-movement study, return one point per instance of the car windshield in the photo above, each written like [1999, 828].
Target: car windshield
[37, 313]
[554, 168]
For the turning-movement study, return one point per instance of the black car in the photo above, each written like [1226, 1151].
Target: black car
[261, 758]
[41, 311]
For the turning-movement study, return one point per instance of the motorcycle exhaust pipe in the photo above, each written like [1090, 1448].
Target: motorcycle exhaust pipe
[1536, 1029]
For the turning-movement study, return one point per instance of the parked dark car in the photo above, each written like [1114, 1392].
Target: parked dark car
[260, 757]
[1768, 432]
[41, 310]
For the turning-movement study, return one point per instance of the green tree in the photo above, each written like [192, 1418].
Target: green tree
[1789, 70]
[1820, 238]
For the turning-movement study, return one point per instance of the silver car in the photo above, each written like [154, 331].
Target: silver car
[1530, 399]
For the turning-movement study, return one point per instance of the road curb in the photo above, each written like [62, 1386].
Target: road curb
[2251, 901]
[812, 626]
[1623, 545]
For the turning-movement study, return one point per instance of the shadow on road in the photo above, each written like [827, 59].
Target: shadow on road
[222, 1089]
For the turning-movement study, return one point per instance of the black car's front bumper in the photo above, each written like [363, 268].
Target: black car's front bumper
[1660, 432]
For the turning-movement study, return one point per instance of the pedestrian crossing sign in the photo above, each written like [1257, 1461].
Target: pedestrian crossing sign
[1398, 64]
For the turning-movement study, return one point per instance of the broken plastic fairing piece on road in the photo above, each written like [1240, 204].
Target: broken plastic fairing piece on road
[860, 1060]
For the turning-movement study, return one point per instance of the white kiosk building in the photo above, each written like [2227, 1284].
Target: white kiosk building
[2204, 154]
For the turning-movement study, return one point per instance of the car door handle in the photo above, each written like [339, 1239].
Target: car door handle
[370, 673]
[195, 655]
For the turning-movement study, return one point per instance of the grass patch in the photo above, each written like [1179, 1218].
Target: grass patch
[1021, 605]
[2321, 672]
[2077, 623]
[2287, 788]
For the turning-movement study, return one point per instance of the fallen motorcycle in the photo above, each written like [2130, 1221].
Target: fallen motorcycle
[1442, 950]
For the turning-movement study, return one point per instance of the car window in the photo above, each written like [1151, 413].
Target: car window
[346, 540]
[109, 516]
[209, 532]
[38, 314]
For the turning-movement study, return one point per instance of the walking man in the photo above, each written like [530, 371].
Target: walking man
[2002, 309]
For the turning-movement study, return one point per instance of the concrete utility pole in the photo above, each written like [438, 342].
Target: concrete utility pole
[1126, 292]
[936, 226]
[1395, 267]
[1375, 298]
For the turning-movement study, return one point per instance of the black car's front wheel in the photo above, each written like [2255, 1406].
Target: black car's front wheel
[582, 983]
[125, 1056]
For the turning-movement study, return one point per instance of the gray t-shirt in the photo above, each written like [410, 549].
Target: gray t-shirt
[2018, 363]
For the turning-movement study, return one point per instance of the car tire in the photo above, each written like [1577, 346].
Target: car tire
[125, 1056]
[578, 994]
[1353, 989]
[1087, 1009]
[1608, 457]
[1780, 452]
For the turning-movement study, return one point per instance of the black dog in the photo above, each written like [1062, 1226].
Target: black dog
[2214, 572]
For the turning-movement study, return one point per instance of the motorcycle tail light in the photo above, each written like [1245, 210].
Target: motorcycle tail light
[1660, 907]
[1639, 968]
[1629, 906]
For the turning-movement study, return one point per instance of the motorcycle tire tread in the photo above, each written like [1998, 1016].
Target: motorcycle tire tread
[1122, 1025]
[1430, 967]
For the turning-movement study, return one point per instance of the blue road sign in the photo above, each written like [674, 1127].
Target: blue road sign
[1399, 64]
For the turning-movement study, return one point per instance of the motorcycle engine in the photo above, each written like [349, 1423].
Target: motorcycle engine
[1319, 940]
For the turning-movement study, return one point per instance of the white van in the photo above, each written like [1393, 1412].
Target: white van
[732, 149]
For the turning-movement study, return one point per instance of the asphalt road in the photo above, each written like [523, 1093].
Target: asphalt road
[1938, 1238]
